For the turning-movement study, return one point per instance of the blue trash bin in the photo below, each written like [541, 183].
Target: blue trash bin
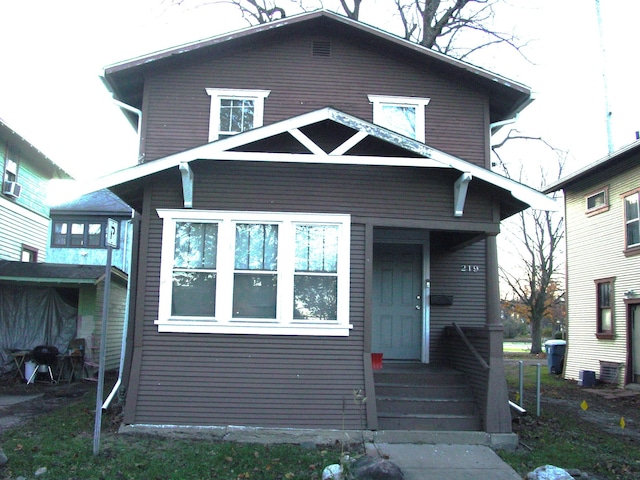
[555, 355]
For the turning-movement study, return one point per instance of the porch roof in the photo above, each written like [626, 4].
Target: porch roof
[54, 273]
[305, 145]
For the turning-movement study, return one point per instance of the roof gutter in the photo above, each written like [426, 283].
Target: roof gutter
[495, 126]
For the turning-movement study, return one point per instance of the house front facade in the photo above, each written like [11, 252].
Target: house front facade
[603, 291]
[312, 191]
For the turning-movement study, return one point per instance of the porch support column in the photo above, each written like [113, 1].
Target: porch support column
[497, 415]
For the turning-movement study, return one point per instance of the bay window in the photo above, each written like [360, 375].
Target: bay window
[257, 273]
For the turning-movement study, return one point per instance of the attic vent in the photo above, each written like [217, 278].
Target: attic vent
[609, 371]
[321, 48]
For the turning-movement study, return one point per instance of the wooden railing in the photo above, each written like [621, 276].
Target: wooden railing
[469, 345]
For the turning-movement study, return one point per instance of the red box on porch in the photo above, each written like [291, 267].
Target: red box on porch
[376, 361]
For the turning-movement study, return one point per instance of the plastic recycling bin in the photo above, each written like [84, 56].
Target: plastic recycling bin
[555, 355]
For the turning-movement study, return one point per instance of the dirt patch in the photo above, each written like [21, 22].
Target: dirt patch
[40, 397]
[611, 410]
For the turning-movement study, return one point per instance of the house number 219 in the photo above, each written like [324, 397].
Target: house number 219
[470, 268]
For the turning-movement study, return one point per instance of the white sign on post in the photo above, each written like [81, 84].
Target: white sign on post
[112, 233]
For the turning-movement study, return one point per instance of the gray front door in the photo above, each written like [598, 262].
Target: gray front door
[397, 301]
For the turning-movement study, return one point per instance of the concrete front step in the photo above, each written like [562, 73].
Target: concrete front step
[425, 398]
[423, 391]
[411, 405]
[435, 423]
[417, 377]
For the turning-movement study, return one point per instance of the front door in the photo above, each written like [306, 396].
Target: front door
[397, 301]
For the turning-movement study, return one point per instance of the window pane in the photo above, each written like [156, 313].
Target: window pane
[315, 297]
[254, 296]
[400, 118]
[631, 207]
[77, 234]
[256, 247]
[316, 248]
[595, 201]
[95, 234]
[236, 115]
[604, 295]
[632, 216]
[605, 320]
[196, 245]
[633, 233]
[60, 233]
[194, 294]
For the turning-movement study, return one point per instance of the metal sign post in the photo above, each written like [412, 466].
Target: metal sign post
[112, 242]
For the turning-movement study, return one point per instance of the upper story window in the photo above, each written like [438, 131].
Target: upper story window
[254, 273]
[604, 293]
[632, 220]
[78, 234]
[597, 201]
[10, 186]
[404, 115]
[235, 111]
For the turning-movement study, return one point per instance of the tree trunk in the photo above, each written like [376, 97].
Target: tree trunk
[536, 335]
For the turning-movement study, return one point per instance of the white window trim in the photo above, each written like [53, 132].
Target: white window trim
[379, 101]
[223, 322]
[217, 94]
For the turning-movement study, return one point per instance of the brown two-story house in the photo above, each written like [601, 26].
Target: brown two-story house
[311, 192]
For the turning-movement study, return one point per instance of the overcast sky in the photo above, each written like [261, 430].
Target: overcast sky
[55, 50]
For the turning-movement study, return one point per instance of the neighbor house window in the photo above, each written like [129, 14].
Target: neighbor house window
[632, 220]
[29, 254]
[235, 111]
[254, 273]
[78, 234]
[604, 293]
[404, 115]
[597, 202]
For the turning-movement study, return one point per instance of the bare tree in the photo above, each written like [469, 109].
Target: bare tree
[540, 235]
[436, 24]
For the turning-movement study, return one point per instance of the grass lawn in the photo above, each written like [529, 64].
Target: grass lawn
[62, 442]
[577, 429]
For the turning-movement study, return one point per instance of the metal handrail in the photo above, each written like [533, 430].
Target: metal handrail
[473, 350]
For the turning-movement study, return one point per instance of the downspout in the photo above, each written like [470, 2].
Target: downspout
[138, 112]
[125, 326]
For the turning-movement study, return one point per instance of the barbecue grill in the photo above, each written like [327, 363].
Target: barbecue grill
[44, 356]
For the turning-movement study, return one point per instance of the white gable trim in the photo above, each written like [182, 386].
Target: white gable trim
[428, 157]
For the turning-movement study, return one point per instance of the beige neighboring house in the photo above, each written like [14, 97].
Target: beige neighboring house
[602, 212]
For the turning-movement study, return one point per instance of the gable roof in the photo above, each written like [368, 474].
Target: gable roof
[126, 79]
[353, 142]
[625, 154]
[30, 153]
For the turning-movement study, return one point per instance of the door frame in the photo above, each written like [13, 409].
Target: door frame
[413, 237]
[629, 304]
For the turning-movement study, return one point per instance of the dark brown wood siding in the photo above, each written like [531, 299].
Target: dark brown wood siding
[468, 289]
[256, 380]
[297, 381]
[176, 109]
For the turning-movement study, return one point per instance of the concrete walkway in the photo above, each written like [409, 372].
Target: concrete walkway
[445, 462]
